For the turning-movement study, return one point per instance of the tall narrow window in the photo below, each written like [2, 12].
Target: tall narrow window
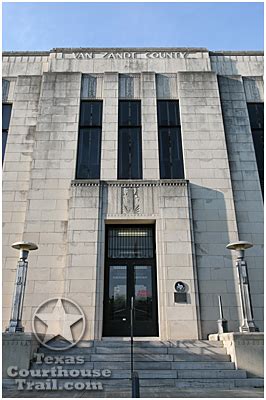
[89, 143]
[256, 118]
[129, 140]
[6, 113]
[170, 145]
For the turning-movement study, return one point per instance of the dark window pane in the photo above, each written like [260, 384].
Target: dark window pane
[89, 150]
[4, 140]
[143, 292]
[256, 115]
[129, 113]
[6, 113]
[129, 141]
[88, 86]
[5, 89]
[170, 144]
[168, 113]
[117, 291]
[129, 149]
[258, 141]
[171, 158]
[126, 86]
[91, 113]
[135, 242]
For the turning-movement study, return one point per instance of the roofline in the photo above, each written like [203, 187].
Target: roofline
[237, 53]
[136, 49]
[25, 53]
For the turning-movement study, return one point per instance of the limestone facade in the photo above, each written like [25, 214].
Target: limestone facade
[218, 202]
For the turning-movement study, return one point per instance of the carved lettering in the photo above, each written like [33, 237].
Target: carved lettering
[83, 56]
[132, 55]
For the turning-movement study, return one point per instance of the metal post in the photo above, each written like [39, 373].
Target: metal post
[15, 323]
[222, 322]
[248, 324]
[134, 375]
[132, 334]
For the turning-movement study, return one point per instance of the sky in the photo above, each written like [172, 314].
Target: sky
[216, 26]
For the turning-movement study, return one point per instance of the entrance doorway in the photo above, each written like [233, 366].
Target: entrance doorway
[130, 271]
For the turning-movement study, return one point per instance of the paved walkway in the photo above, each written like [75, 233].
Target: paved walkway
[146, 393]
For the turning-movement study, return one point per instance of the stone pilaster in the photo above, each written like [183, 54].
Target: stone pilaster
[245, 179]
[150, 152]
[206, 167]
[110, 127]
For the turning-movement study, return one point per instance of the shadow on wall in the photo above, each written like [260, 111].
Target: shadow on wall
[227, 66]
[214, 227]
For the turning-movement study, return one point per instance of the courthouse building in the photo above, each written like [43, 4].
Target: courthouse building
[132, 169]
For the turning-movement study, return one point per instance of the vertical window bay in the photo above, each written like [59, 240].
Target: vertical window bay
[170, 141]
[89, 143]
[129, 140]
[6, 114]
[256, 118]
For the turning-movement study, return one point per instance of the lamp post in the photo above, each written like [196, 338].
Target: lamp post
[248, 324]
[15, 324]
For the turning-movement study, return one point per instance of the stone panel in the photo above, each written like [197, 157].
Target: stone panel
[51, 168]
[244, 174]
[207, 169]
[110, 127]
[17, 172]
[150, 152]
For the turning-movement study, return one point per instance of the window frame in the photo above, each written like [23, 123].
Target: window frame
[128, 127]
[5, 130]
[85, 126]
[169, 126]
[255, 130]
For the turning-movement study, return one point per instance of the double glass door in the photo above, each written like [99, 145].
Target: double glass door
[130, 277]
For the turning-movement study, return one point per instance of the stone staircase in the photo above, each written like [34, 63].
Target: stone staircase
[162, 365]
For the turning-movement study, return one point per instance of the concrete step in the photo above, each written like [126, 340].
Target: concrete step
[142, 382]
[218, 383]
[203, 365]
[159, 343]
[139, 365]
[190, 353]
[137, 357]
[250, 382]
[165, 365]
[211, 374]
[112, 365]
[205, 383]
[145, 374]
[122, 373]
[155, 369]
[160, 350]
[127, 350]
[197, 358]
[120, 384]
[149, 357]
[197, 350]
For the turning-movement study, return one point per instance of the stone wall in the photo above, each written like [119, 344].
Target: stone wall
[235, 92]
[194, 223]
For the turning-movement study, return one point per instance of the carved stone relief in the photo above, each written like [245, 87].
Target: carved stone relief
[131, 202]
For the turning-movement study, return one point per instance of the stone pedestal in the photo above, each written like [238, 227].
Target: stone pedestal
[246, 350]
[18, 349]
